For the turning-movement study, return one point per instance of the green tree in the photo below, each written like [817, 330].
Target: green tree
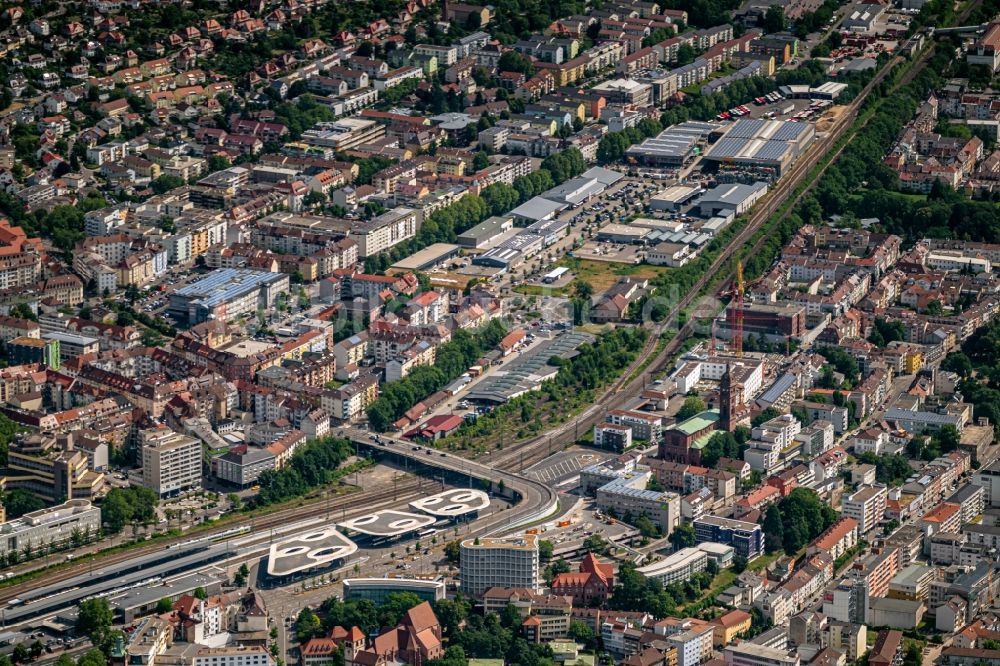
[580, 632]
[683, 537]
[307, 625]
[165, 183]
[692, 405]
[583, 289]
[774, 19]
[512, 61]
[958, 363]
[545, 548]
[480, 161]
[218, 163]
[773, 529]
[452, 614]
[164, 605]
[94, 618]
[766, 415]
[18, 502]
[595, 543]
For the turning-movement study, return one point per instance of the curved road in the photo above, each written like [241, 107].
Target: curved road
[537, 499]
[533, 450]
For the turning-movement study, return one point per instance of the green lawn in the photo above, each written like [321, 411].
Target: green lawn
[722, 581]
[603, 274]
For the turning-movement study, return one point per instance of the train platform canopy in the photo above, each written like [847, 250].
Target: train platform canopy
[452, 503]
[316, 548]
[387, 523]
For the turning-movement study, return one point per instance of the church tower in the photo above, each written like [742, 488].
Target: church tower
[732, 410]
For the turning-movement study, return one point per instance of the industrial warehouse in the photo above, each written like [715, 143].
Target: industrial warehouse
[762, 149]
[675, 146]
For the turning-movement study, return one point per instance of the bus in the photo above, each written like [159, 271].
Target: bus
[426, 533]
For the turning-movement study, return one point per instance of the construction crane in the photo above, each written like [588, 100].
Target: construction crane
[738, 319]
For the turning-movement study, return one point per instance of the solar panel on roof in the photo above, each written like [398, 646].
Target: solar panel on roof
[771, 150]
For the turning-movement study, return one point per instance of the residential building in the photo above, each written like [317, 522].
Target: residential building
[171, 462]
[499, 562]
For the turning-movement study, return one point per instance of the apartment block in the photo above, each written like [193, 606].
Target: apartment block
[171, 462]
[499, 562]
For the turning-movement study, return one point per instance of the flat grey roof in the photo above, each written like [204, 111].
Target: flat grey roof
[732, 193]
[142, 596]
[604, 176]
[387, 523]
[488, 228]
[454, 502]
[224, 284]
[537, 208]
[315, 548]
[429, 256]
[528, 370]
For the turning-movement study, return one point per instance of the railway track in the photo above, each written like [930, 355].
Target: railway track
[528, 452]
[402, 492]
[523, 454]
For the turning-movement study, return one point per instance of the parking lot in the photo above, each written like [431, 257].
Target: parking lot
[561, 467]
[568, 532]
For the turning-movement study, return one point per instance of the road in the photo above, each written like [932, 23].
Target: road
[538, 498]
[633, 379]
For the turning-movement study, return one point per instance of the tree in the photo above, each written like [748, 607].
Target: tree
[545, 549]
[583, 289]
[795, 520]
[766, 415]
[595, 543]
[721, 445]
[200, 593]
[452, 551]
[958, 363]
[773, 529]
[692, 405]
[20, 654]
[395, 606]
[314, 198]
[480, 161]
[947, 438]
[23, 311]
[18, 501]
[455, 654]
[512, 61]
[93, 657]
[452, 614]
[686, 54]
[885, 331]
[580, 631]
[122, 506]
[240, 579]
[94, 618]
[774, 19]
[164, 605]
[165, 183]
[307, 625]
[218, 163]
[683, 537]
